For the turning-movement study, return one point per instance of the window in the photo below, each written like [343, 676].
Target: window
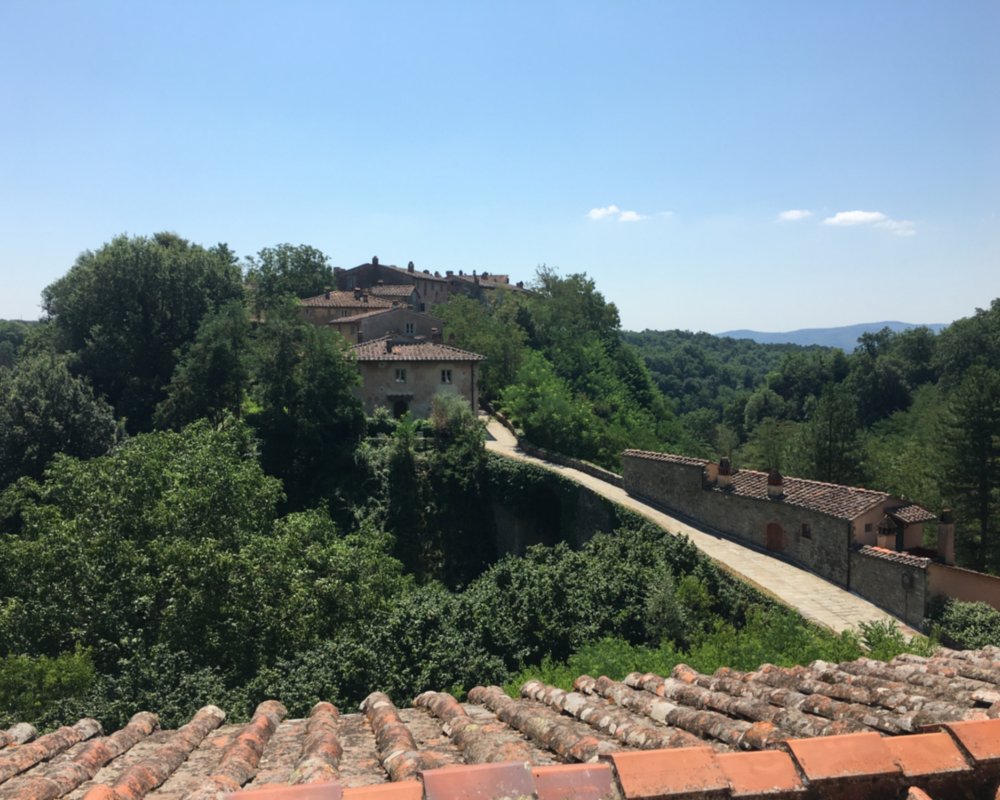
[446, 376]
[409, 328]
[868, 527]
[400, 375]
[806, 531]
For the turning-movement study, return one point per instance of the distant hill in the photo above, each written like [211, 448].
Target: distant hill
[846, 337]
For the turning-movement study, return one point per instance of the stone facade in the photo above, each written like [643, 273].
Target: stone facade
[399, 320]
[816, 541]
[403, 386]
[899, 585]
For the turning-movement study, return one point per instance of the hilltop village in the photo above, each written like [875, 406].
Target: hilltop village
[226, 483]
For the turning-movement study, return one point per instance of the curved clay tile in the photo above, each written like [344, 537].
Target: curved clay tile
[398, 751]
[538, 723]
[15, 760]
[480, 743]
[608, 718]
[20, 733]
[321, 752]
[64, 777]
[239, 760]
[140, 779]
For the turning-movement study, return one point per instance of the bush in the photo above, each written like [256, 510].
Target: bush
[31, 686]
[967, 625]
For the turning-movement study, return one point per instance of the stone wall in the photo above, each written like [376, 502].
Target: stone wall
[899, 585]
[816, 541]
[964, 584]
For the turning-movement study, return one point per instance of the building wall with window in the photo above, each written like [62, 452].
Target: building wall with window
[411, 386]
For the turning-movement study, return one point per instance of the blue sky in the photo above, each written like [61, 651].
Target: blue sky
[656, 146]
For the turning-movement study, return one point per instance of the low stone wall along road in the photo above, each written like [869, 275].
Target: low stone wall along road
[813, 597]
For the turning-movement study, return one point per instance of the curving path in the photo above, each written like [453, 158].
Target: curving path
[814, 598]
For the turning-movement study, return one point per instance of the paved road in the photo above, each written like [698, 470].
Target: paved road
[816, 599]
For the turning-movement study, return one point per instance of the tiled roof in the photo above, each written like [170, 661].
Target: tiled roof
[361, 316]
[345, 300]
[894, 556]
[393, 290]
[843, 502]
[410, 350]
[822, 731]
[911, 514]
[668, 457]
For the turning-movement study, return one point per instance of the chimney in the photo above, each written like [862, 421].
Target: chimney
[460, 272]
[725, 480]
[374, 261]
[711, 474]
[326, 295]
[449, 273]
[380, 282]
[946, 537]
[775, 485]
[520, 284]
[436, 336]
[409, 267]
[357, 293]
[388, 345]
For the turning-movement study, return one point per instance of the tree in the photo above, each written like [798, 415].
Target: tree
[12, 336]
[830, 447]
[283, 270]
[213, 377]
[972, 465]
[306, 413]
[128, 309]
[45, 410]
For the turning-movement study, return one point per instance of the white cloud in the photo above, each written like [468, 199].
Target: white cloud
[630, 216]
[794, 215]
[855, 218]
[898, 227]
[601, 213]
[614, 211]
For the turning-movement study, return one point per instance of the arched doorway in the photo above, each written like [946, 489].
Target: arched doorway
[775, 538]
[399, 408]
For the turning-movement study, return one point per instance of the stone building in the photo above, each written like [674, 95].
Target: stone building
[863, 540]
[404, 320]
[404, 373]
[322, 308]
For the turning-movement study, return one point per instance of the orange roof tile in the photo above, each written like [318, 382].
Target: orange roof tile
[826, 730]
[391, 348]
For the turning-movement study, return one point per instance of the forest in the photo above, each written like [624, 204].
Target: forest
[194, 507]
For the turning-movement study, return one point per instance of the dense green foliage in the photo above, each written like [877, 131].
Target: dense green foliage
[912, 413]
[123, 311]
[559, 368]
[284, 270]
[255, 536]
[966, 625]
[45, 410]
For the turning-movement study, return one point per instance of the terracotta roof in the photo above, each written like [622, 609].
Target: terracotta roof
[345, 300]
[668, 457]
[393, 290]
[833, 499]
[362, 315]
[826, 730]
[911, 514]
[895, 556]
[410, 350]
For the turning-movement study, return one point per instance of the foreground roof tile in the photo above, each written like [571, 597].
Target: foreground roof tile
[17, 734]
[691, 773]
[63, 777]
[763, 774]
[313, 791]
[322, 751]
[480, 743]
[402, 790]
[15, 760]
[853, 764]
[500, 780]
[575, 782]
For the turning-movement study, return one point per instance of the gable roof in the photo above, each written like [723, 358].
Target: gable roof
[410, 350]
[393, 290]
[832, 499]
[816, 731]
[345, 300]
